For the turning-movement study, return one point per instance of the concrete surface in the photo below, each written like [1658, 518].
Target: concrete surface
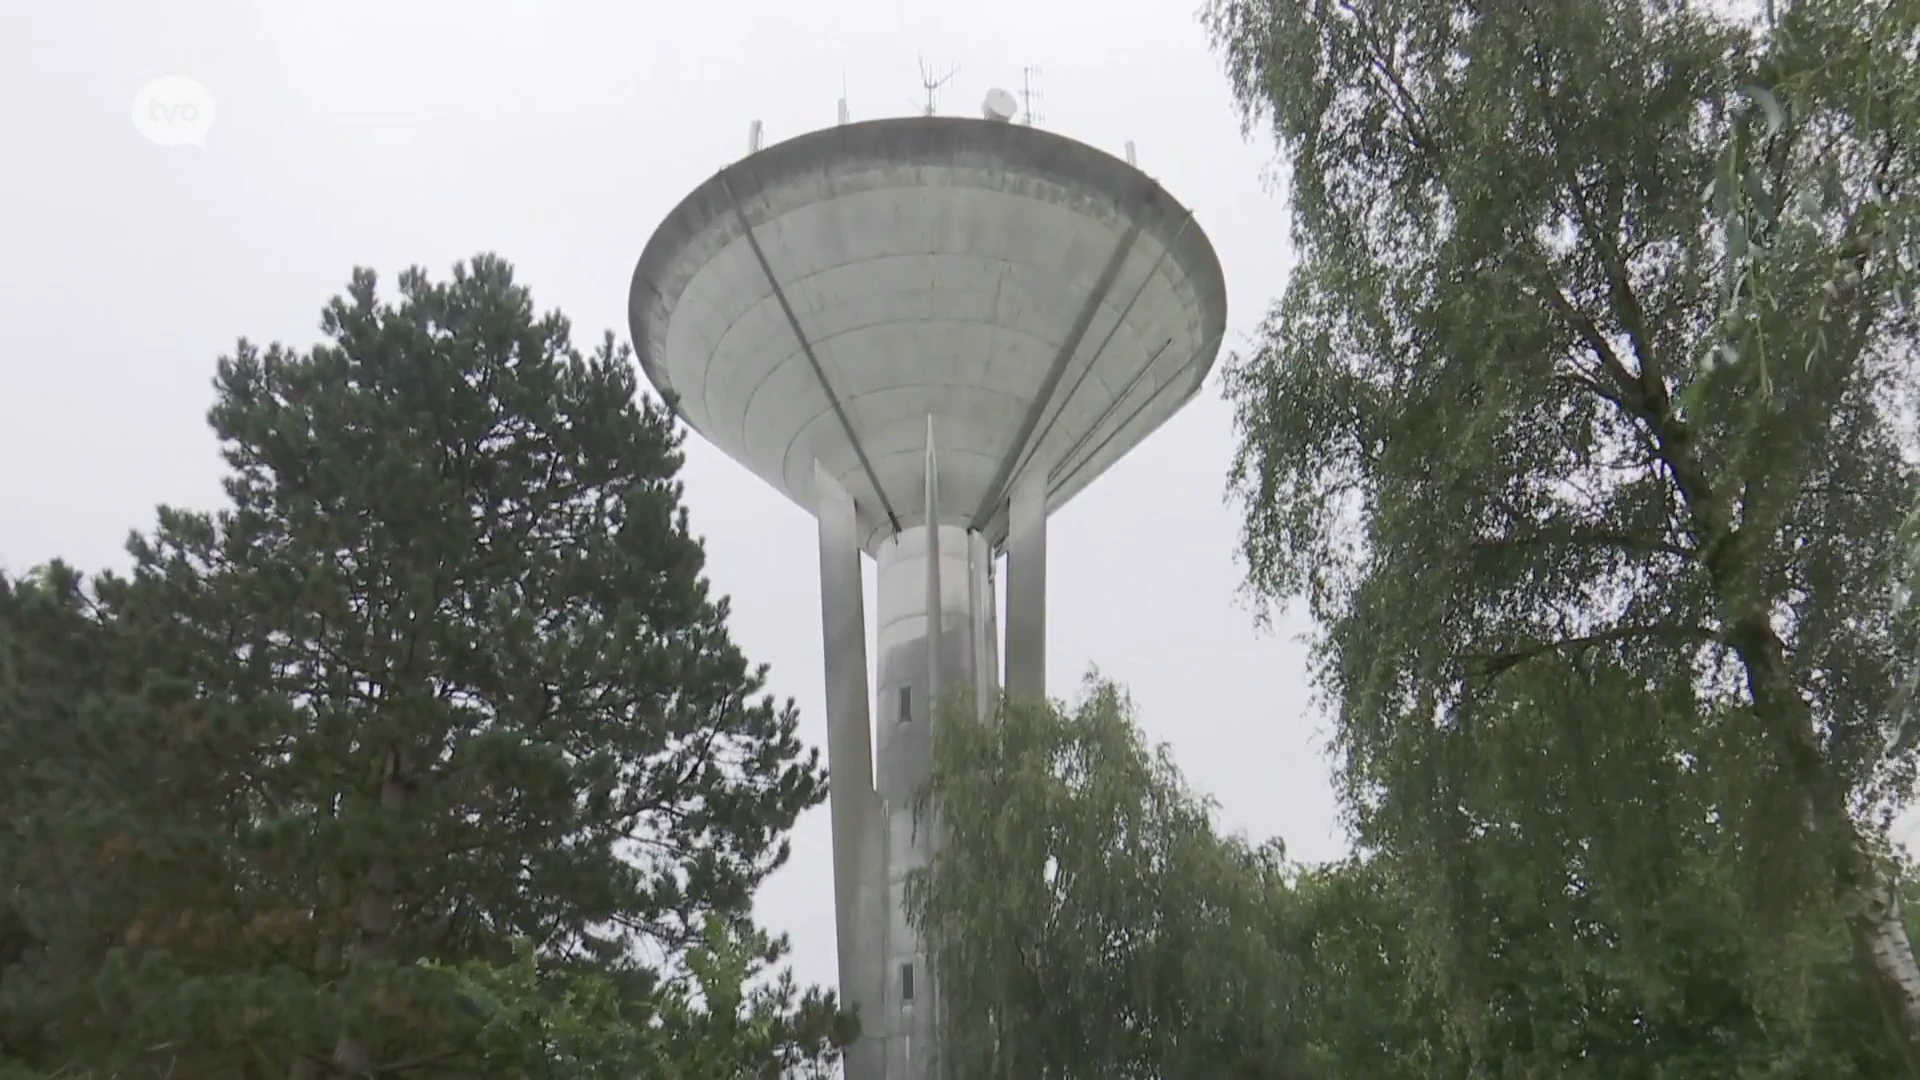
[931, 332]
[929, 266]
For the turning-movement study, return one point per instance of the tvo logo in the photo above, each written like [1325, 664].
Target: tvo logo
[174, 111]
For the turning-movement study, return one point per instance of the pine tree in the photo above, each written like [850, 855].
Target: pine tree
[118, 794]
[469, 701]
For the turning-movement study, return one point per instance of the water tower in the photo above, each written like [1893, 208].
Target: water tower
[930, 332]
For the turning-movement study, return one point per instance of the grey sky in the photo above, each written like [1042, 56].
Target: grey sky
[362, 132]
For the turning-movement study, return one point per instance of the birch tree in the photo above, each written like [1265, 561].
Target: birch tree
[1598, 345]
[1092, 920]
[1085, 917]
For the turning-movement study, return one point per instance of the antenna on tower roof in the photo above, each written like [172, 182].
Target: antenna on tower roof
[932, 85]
[1030, 96]
[843, 99]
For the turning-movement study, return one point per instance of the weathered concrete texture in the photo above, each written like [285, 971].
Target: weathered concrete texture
[858, 815]
[931, 332]
[983, 635]
[817, 301]
[908, 699]
[1027, 592]
[936, 622]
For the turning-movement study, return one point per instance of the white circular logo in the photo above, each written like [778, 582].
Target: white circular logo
[174, 110]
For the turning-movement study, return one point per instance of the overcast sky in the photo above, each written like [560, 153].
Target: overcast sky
[558, 134]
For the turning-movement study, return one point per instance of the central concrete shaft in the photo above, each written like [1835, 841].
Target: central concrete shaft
[925, 640]
[937, 634]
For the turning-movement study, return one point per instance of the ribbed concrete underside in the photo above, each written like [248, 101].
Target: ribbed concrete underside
[938, 267]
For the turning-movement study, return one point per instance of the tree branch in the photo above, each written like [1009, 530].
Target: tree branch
[418, 1062]
[1600, 234]
[1626, 391]
[1585, 538]
[1500, 663]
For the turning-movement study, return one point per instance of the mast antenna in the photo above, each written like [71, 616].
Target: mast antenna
[1030, 96]
[932, 85]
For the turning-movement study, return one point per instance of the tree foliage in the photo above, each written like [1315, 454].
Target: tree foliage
[1592, 923]
[1085, 919]
[1598, 353]
[1089, 920]
[428, 755]
[718, 1021]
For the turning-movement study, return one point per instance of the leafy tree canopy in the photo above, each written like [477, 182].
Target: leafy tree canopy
[1085, 919]
[1089, 920]
[1598, 351]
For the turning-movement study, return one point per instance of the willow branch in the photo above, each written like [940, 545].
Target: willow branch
[1500, 663]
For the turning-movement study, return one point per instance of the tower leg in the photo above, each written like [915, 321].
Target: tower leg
[985, 639]
[935, 632]
[923, 1016]
[1027, 588]
[859, 853]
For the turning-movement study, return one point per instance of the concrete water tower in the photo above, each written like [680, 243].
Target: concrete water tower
[930, 332]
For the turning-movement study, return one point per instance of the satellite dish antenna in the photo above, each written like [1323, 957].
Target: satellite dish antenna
[999, 106]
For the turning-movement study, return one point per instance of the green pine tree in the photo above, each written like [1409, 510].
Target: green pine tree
[451, 660]
[117, 791]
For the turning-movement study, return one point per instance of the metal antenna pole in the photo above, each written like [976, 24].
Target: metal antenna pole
[1030, 96]
[932, 85]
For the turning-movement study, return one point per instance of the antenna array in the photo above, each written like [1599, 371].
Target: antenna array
[1030, 96]
[932, 85]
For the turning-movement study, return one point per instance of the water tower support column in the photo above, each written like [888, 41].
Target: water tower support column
[924, 649]
[859, 852]
[1027, 587]
[985, 636]
[936, 633]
